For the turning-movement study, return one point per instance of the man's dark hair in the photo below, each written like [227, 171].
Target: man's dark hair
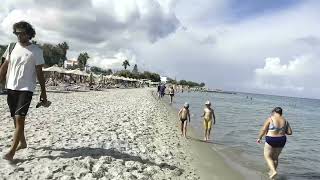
[26, 26]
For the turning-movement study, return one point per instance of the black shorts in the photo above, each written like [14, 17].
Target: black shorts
[182, 120]
[19, 102]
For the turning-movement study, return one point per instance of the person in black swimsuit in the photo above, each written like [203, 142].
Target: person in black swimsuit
[171, 93]
[184, 114]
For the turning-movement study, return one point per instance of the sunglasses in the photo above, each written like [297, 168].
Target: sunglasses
[20, 33]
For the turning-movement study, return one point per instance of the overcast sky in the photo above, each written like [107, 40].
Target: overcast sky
[268, 47]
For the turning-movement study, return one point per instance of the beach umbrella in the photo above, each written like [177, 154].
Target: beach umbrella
[69, 72]
[77, 72]
[84, 73]
[53, 69]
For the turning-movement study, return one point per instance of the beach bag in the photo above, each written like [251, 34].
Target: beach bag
[11, 47]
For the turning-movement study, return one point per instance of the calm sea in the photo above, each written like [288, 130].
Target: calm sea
[239, 119]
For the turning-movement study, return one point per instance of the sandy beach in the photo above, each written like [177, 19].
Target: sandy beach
[112, 134]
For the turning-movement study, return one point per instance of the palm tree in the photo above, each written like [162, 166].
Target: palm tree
[109, 71]
[135, 69]
[64, 47]
[125, 64]
[82, 59]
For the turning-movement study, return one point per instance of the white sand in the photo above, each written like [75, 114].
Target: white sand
[115, 134]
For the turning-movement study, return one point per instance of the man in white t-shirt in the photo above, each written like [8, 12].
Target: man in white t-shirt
[21, 68]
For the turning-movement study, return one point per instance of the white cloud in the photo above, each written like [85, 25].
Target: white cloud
[185, 39]
[297, 75]
[102, 28]
[113, 24]
[296, 68]
[113, 62]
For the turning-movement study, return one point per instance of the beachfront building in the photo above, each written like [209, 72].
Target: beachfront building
[70, 63]
[163, 79]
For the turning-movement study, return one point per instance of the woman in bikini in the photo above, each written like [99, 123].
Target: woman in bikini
[171, 93]
[275, 128]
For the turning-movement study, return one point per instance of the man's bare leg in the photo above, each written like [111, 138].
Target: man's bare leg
[16, 138]
[14, 122]
[22, 141]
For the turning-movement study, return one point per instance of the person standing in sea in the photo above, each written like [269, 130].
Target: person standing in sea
[171, 94]
[184, 115]
[275, 129]
[208, 117]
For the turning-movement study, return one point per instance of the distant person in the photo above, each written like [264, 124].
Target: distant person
[208, 116]
[275, 128]
[21, 68]
[158, 91]
[184, 115]
[162, 90]
[171, 94]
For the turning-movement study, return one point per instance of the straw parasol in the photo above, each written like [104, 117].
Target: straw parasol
[54, 69]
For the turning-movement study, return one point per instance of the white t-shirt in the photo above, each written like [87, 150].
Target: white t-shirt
[21, 73]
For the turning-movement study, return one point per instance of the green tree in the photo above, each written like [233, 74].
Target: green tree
[155, 77]
[149, 75]
[125, 64]
[202, 84]
[52, 54]
[135, 69]
[183, 82]
[64, 47]
[109, 72]
[172, 81]
[102, 71]
[82, 59]
[124, 73]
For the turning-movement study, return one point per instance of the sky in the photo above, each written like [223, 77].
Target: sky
[269, 47]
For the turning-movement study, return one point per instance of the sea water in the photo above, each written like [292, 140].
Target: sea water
[239, 118]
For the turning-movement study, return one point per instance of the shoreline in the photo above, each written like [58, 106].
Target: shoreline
[229, 166]
[209, 162]
[112, 134]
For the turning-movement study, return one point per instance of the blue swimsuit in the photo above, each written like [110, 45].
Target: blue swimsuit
[276, 142]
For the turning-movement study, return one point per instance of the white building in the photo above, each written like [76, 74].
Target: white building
[163, 79]
[70, 63]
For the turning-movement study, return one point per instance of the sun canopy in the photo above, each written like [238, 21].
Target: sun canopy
[76, 72]
[54, 69]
